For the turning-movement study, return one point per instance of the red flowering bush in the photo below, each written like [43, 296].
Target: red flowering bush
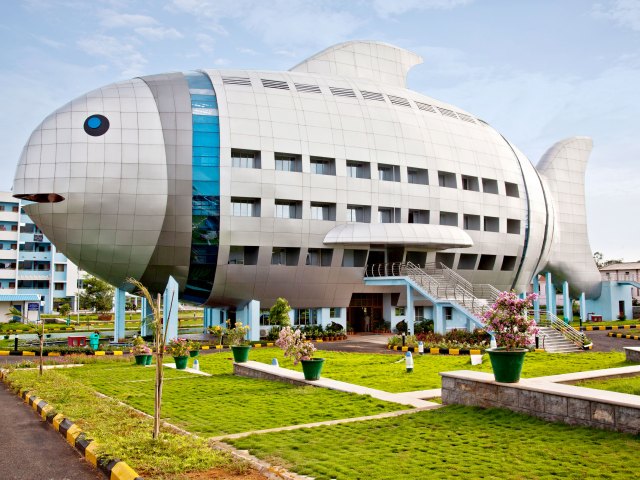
[506, 319]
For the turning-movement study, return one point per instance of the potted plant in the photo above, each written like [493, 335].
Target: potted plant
[179, 349]
[513, 331]
[141, 352]
[217, 332]
[294, 345]
[194, 348]
[239, 344]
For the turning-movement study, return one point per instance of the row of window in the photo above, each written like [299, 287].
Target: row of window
[292, 209]
[322, 257]
[288, 162]
[303, 316]
[9, 208]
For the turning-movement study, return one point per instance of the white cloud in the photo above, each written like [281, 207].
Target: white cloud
[625, 13]
[386, 8]
[123, 56]
[113, 19]
[205, 42]
[158, 33]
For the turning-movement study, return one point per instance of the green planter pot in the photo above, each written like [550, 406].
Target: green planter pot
[507, 364]
[148, 359]
[181, 362]
[240, 353]
[312, 368]
[141, 359]
[194, 353]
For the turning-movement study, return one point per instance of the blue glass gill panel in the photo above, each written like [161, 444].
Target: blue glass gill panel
[205, 206]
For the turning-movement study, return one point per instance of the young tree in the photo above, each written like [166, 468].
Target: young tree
[279, 313]
[97, 295]
[64, 309]
[14, 312]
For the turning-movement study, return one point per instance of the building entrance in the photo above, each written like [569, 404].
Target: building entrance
[365, 312]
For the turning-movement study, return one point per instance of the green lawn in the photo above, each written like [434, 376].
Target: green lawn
[607, 323]
[623, 385]
[452, 442]
[382, 372]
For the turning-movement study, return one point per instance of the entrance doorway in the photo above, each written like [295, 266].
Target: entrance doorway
[365, 312]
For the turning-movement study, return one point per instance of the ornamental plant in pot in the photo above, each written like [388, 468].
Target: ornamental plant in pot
[194, 348]
[514, 332]
[141, 352]
[239, 344]
[294, 345]
[179, 349]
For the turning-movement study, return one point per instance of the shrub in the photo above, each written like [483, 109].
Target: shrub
[401, 327]
[423, 326]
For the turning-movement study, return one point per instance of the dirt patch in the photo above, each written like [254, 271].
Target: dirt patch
[221, 474]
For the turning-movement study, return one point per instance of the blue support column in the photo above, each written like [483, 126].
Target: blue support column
[567, 307]
[438, 320]
[208, 318]
[118, 307]
[583, 308]
[145, 311]
[550, 293]
[410, 311]
[536, 302]
[170, 310]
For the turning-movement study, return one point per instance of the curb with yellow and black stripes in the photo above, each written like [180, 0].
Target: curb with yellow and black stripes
[114, 468]
[32, 353]
[622, 335]
[437, 351]
[590, 328]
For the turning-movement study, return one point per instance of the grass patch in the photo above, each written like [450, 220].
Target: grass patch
[119, 432]
[452, 442]
[607, 323]
[382, 372]
[623, 385]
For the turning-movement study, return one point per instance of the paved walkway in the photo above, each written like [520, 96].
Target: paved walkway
[32, 449]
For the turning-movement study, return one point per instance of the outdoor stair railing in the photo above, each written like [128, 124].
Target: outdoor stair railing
[548, 319]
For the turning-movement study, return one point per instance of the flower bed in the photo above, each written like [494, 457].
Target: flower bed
[453, 339]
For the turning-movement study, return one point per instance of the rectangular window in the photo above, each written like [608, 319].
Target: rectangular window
[449, 218]
[357, 169]
[508, 263]
[471, 222]
[59, 286]
[243, 255]
[264, 317]
[335, 312]
[470, 183]
[448, 313]
[511, 189]
[417, 258]
[447, 179]
[288, 209]
[489, 185]
[285, 256]
[491, 224]
[486, 262]
[418, 313]
[245, 158]
[60, 267]
[513, 226]
[14, 228]
[467, 261]
[319, 257]
[306, 316]
[12, 284]
[399, 311]
[323, 166]
[359, 213]
[419, 176]
[354, 258]
[323, 211]
[388, 173]
[288, 162]
[446, 259]
[14, 208]
[388, 215]
[418, 216]
[245, 207]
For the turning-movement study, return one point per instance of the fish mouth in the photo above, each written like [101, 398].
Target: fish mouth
[40, 197]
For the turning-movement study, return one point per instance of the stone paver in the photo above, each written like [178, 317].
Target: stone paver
[188, 370]
[424, 394]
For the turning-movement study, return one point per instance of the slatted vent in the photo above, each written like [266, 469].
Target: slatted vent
[306, 88]
[447, 113]
[426, 107]
[342, 92]
[372, 96]
[279, 84]
[399, 101]
[236, 81]
[466, 118]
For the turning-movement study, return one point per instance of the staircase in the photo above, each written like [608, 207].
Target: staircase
[554, 342]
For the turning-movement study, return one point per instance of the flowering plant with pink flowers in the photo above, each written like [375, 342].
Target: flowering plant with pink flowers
[508, 322]
[294, 345]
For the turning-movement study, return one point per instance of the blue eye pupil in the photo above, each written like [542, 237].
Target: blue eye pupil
[94, 122]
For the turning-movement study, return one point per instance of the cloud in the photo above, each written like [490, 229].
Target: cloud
[48, 41]
[113, 19]
[205, 42]
[123, 56]
[158, 33]
[625, 13]
[387, 8]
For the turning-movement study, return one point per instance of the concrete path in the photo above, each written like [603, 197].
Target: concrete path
[188, 370]
[32, 449]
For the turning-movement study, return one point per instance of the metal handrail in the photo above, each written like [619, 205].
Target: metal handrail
[567, 331]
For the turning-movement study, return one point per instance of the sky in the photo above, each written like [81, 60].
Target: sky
[536, 70]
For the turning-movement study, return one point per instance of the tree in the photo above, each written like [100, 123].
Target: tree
[598, 257]
[97, 295]
[64, 309]
[14, 312]
[279, 313]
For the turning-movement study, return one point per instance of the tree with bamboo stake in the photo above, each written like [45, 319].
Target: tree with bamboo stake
[14, 312]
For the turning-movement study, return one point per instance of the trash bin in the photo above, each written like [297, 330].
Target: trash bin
[94, 341]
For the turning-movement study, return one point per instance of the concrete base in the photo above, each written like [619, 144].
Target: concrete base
[544, 398]
[632, 354]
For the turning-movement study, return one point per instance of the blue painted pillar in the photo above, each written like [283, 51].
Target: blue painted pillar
[567, 307]
[410, 311]
[208, 318]
[550, 293]
[170, 310]
[438, 319]
[118, 308]
[145, 311]
[536, 302]
[252, 318]
[583, 307]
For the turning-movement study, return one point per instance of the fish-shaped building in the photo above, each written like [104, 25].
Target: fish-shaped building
[249, 185]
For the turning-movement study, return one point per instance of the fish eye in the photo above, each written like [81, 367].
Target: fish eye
[96, 125]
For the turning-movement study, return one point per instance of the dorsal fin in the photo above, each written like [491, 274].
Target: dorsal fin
[368, 60]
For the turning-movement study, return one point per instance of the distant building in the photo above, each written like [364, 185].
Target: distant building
[31, 270]
[629, 271]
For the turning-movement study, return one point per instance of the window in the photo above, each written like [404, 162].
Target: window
[470, 183]
[445, 258]
[15, 209]
[449, 218]
[245, 207]
[489, 185]
[335, 312]
[285, 256]
[245, 158]
[243, 255]
[508, 263]
[12, 284]
[447, 179]
[399, 311]
[418, 216]
[288, 162]
[513, 226]
[323, 211]
[358, 169]
[264, 317]
[471, 222]
[59, 286]
[467, 261]
[358, 213]
[354, 258]
[388, 173]
[319, 257]
[288, 209]
[60, 267]
[491, 224]
[486, 262]
[306, 316]
[417, 258]
[1, 208]
[323, 166]
[511, 189]
[388, 215]
[448, 313]
[418, 313]
[419, 176]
